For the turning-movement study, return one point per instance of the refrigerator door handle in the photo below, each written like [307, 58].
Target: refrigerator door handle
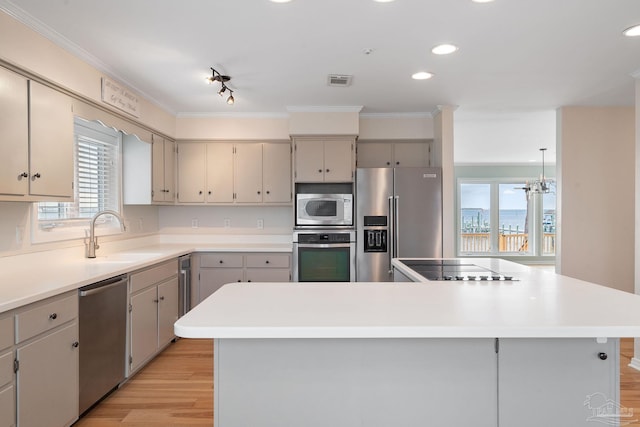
[392, 237]
[396, 226]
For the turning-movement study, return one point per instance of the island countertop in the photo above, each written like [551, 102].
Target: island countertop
[539, 304]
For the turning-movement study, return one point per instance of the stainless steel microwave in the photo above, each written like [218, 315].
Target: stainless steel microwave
[324, 209]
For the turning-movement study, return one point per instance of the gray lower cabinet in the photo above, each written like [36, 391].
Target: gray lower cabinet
[558, 381]
[7, 376]
[47, 361]
[153, 310]
[215, 269]
[416, 382]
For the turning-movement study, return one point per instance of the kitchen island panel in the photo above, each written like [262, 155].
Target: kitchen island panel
[369, 382]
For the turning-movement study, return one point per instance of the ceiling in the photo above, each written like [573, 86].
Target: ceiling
[513, 55]
[518, 60]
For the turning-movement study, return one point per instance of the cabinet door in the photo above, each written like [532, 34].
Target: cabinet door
[169, 168]
[191, 172]
[563, 377]
[309, 160]
[276, 173]
[212, 279]
[374, 155]
[47, 380]
[167, 310]
[157, 173]
[410, 154]
[247, 173]
[219, 173]
[51, 142]
[14, 134]
[144, 326]
[8, 407]
[338, 161]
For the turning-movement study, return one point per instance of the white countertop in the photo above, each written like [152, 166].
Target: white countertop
[540, 304]
[32, 277]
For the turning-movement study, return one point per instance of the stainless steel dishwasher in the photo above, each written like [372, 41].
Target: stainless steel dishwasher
[103, 330]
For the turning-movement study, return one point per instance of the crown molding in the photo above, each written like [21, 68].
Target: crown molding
[396, 115]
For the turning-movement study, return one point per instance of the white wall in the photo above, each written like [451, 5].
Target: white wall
[595, 168]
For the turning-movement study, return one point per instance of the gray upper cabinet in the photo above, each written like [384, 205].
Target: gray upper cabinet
[324, 159]
[234, 173]
[388, 154]
[36, 141]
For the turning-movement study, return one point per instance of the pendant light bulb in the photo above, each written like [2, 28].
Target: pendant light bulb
[230, 99]
[222, 89]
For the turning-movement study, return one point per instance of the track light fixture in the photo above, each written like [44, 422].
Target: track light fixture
[222, 79]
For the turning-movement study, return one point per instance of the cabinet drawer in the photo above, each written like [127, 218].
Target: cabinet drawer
[153, 275]
[6, 368]
[45, 316]
[6, 332]
[221, 260]
[268, 260]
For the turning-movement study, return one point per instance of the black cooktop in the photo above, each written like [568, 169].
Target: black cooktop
[432, 269]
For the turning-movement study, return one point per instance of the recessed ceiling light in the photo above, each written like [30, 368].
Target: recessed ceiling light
[422, 75]
[482, 1]
[383, 1]
[280, 1]
[444, 49]
[632, 31]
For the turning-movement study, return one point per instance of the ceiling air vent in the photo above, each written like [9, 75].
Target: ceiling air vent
[339, 80]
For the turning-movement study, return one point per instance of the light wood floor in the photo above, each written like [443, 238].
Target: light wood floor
[176, 389]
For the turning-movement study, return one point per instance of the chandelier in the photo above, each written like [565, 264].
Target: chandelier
[540, 185]
[222, 79]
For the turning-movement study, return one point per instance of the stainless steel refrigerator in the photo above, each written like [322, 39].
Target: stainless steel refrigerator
[398, 214]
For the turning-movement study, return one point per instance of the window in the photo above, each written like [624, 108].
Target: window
[96, 186]
[496, 217]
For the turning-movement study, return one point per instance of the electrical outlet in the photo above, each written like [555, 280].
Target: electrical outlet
[194, 223]
[260, 223]
[227, 223]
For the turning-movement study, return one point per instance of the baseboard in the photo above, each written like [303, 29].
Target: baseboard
[635, 363]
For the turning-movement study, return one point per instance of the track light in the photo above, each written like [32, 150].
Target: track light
[222, 79]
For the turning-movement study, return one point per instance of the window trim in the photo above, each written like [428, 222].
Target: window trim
[494, 184]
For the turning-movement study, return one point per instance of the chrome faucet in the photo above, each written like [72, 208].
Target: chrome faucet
[92, 244]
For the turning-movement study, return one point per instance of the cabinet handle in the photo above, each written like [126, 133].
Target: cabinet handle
[161, 298]
[319, 170]
[266, 262]
[199, 192]
[23, 175]
[53, 316]
[239, 280]
[36, 175]
[249, 280]
[388, 163]
[209, 192]
[155, 300]
[268, 192]
[328, 170]
[221, 262]
[75, 344]
[258, 192]
[603, 356]
[397, 163]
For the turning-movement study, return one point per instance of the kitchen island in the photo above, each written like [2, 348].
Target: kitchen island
[540, 350]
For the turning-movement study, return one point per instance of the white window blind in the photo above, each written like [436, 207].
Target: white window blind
[97, 178]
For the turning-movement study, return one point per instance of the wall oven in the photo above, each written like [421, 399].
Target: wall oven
[324, 256]
[324, 205]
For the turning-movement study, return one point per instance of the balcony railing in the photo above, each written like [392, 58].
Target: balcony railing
[514, 242]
